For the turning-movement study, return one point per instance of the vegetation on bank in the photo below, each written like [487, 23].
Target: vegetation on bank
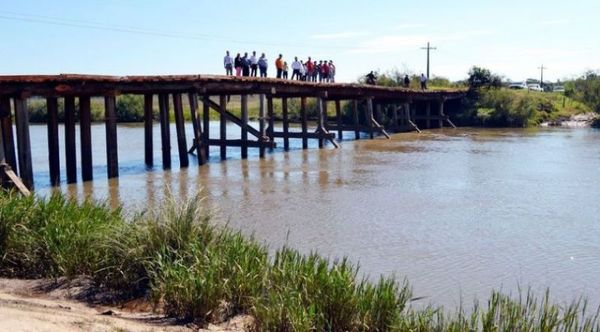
[198, 270]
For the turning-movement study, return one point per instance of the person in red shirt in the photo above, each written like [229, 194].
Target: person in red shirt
[325, 70]
[309, 69]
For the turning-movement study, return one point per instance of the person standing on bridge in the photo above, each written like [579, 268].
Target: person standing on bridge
[285, 70]
[237, 63]
[262, 65]
[279, 65]
[228, 63]
[310, 66]
[325, 69]
[371, 78]
[406, 81]
[296, 67]
[245, 65]
[331, 71]
[253, 64]
[423, 82]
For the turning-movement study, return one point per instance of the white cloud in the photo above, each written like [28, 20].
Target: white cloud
[339, 35]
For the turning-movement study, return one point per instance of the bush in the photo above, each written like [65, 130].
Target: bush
[130, 108]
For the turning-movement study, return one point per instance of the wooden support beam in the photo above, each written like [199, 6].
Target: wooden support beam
[148, 139]
[304, 122]
[206, 124]
[271, 117]
[53, 145]
[286, 123]
[85, 136]
[321, 119]
[112, 151]
[239, 143]
[12, 177]
[165, 132]
[23, 142]
[244, 127]
[356, 121]
[6, 129]
[180, 129]
[223, 125]
[441, 113]
[231, 117]
[262, 124]
[338, 117]
[369, 116]
[70, 144]
[395, 121]
[315, 135]
[198, 139]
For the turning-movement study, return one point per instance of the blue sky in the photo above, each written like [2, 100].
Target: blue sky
[126, 37]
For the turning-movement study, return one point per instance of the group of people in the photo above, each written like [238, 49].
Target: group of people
[371, 79]
[309, 70]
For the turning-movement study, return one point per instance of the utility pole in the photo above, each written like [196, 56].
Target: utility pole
[428, 48]
[542, 75]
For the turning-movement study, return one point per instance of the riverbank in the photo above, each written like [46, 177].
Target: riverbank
[193, 268]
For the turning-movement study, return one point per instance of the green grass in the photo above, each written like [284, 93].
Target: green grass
[199, 270]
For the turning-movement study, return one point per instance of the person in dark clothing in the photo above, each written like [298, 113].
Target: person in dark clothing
[406, 81]
[262, 65]
[371, 78]
[245, 65]
[237, 64]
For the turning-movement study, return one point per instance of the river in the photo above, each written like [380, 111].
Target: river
[456, 212]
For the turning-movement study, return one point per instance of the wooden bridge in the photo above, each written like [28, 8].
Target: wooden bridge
[404, 109]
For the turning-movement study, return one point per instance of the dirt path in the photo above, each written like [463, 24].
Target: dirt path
[28, 305]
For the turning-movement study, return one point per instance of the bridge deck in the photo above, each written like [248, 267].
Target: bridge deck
[74, 84]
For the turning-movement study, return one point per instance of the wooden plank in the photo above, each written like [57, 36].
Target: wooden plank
[165, 131]
[244, 127]
[271, 118]
[286, 123]
[338, 116]
[262, 124]
[6, 129]
[304, 123]
[180, 130]
[110, 121]
[231, 117]
[239, 143]
[85, 135]
[148, 140]
[70, 144]
[356, 122]
[53, 145]
[15, 180]
[23, 142]
[198, 139]
[206, 124]
[223, 125]
[295, 134]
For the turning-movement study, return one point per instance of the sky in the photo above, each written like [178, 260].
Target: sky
[152, 37]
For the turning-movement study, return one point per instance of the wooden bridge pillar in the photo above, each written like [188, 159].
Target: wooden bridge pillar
[338, 117]
[85, 136]
[262, 124]
[148, 143]
[180, 128]
[428, 114]
[53, 145]
[395, 120]
[369, 117]
[356, 120]
[206, 125]
[271, 117]
[165, 133]
[110, 120]
[286, 124]
[244, 128]
[23, 141]
[441, 113]
[70, 144]
[198, 138]
[304, 122]
[223, 126]
[6, 129]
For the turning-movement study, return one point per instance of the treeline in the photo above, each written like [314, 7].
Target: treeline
[194, 269]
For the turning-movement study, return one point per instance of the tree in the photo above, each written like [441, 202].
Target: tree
[481, 77]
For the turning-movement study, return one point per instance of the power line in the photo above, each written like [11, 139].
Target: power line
[542, 75]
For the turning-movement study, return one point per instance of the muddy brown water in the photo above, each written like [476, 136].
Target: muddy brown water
[457, 212]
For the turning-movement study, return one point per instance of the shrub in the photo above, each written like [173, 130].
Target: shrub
[130, 108]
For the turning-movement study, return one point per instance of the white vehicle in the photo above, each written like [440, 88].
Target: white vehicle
[535, 87]
[558, 88]
[517, 85]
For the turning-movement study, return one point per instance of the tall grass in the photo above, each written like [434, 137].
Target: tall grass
[197, 270]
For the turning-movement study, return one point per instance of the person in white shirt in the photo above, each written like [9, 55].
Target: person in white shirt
[253, 64]
[331, 71]
[228, 63]
[296, 67]
[423, 82]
